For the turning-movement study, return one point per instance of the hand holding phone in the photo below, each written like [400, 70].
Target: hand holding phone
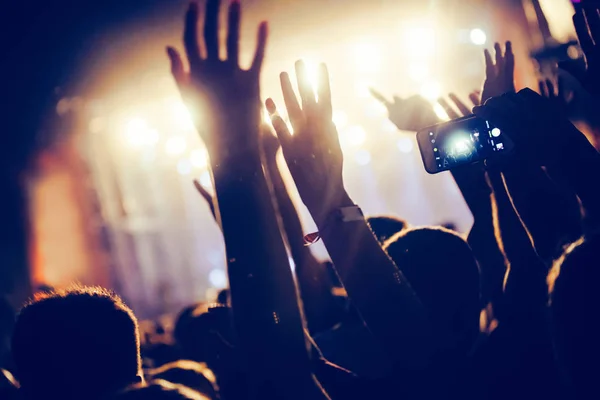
[460, 142]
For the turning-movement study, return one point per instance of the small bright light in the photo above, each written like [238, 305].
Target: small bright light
[205, 180]
[461, 146]
[184, 167]
[367, 57]
[362, 157]
[496, 132]
[431, 90]
[418, 71]
[340, 119]
[405, 144]
[353, 135]
[181, 115]
[199, 158]
[217, 278]
[419, 39]
[440, 112]
[138, 133]
[478, 36]
[175, 145]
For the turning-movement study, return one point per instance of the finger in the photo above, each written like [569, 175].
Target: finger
[490, 71]
[449, 110]
[379, 97]
[233, 33]
[281, 129]
[304, 86]
[593, 21]
[190, 36]
[324, 92]
[550, 86]
[475, 98]
[499, 58]
[291, 101]
[261, 45]
[462, 108]
[211, 29]
[583, 34]
[543, 88]
[207, 196]
[509, 64]
[176, 65]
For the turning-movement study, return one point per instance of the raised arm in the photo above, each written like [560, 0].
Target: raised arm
[265, 306]
[373, 282]
[320, 309]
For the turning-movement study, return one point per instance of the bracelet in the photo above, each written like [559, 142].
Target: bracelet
[343, 214]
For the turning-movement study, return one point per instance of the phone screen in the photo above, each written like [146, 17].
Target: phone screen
[459, 142]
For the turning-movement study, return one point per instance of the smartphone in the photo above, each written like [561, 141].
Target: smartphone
[459, 142]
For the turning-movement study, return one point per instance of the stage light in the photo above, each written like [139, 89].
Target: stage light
[418, 71]
[367, 58]
[175, 146]
[431, 90]
[181, 115]
[419, 39]
[184, 167]
[139, 134]
[362, 157]
[340, 119]
[478, 36]
[440, 112]
[405, 144]
[217, 278]
[353, 136]
[199, 158]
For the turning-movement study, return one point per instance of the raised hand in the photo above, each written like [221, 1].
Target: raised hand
[463, 109]
[587, 26]
[206, 196]
[227, 96]
[556, 94]
[499, 74]
[313, 152]
[410, 114]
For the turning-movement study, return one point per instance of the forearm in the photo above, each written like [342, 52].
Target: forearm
[313, 282]
[379, 290]
[549, 215]
[265, 307]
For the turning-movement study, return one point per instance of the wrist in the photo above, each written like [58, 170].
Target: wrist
[322, 215]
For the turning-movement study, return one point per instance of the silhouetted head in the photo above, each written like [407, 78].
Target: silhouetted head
[192, 374]
[443, 273]
[159, 390]
[81, 342]
[574, 304]
[386, 226]
[223, 296]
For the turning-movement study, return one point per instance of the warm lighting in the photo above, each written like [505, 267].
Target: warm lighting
[205, 180]
[217, 278]
[353, 135]
[405, 144]
[362, 157]
[440, 112]
[419, 39]
[199, 158]
[367, 57]
[340, 119]
[478, 36]
[181, 115]
[431, 90]
[376, 109]
[418, 71]
[175, 146]
[139, 134]
[184, 167]
[97, 125]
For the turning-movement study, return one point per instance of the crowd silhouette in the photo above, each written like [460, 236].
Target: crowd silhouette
[399, 312]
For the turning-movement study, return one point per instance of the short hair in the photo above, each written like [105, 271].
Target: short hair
[189, 373]
[80, 342]
[386, 226]
[442, 270]
[158, 389]
[573, 285]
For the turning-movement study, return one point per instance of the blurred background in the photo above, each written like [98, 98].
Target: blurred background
[99, 154]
